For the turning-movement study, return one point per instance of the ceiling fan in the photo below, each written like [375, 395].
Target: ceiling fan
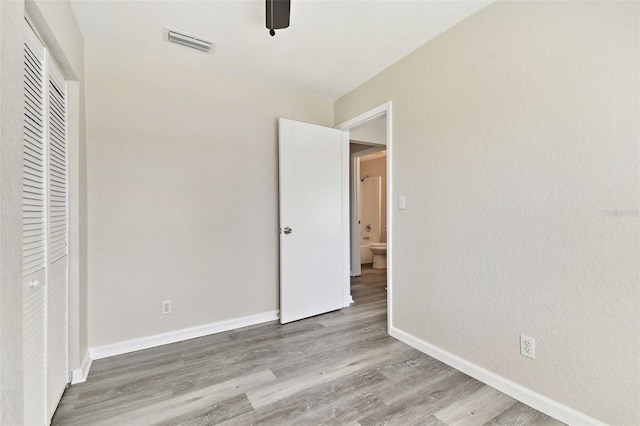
[278, 12]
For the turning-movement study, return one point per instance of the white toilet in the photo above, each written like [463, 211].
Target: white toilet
[379, 251]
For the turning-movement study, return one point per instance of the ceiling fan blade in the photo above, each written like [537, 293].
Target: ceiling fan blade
[278, 12]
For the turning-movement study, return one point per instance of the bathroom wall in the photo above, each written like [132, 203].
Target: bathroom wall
[183, 191]
[378, 167]
[515, 142]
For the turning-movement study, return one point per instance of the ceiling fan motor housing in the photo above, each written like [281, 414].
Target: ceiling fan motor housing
[277, 14]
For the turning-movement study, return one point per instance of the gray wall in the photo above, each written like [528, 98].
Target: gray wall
[516, 144]
[182, 172]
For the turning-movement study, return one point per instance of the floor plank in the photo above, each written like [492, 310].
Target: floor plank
[477, 408]
[205, 403]
[338, 368]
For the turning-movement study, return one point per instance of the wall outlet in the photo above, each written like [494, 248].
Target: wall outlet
[166, 307]
[527, 346]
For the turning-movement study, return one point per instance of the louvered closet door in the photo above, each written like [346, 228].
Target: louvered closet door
[45, 234]
[57, 236]
[34, 233]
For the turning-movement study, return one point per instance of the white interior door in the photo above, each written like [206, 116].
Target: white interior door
[44, 234]
[57, 370]
[314, 227]
[34, 179]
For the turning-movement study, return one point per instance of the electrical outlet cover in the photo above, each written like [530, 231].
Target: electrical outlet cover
[528, 346]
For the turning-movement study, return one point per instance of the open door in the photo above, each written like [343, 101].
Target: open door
[314, 200]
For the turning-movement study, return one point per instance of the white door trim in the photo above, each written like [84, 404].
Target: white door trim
[384, 109]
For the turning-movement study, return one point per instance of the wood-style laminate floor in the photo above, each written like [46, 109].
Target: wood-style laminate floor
[337, 368]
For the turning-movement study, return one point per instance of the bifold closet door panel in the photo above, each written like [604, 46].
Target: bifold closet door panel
[58, 206]
[34, 232]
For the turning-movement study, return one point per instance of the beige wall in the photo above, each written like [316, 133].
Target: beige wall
[516, 144]
[378, 167]
[58, 29]
[182, 177]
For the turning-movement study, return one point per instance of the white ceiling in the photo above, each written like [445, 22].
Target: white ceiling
[331, 47]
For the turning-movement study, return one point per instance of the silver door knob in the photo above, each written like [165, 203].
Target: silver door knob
[288, 230]
[34, 284]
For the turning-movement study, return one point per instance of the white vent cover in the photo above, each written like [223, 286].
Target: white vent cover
[188, 40]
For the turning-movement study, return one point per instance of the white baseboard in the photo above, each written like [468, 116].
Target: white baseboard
[113, 349]
[79, 375]
[539, 402]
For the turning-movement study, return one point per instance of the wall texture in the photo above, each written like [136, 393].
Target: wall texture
[182, 181]
[516, 144]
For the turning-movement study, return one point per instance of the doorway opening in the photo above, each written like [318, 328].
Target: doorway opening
[370, 147]
[368, 206]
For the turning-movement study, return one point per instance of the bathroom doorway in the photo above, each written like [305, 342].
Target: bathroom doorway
[371, 144]
[370, 208]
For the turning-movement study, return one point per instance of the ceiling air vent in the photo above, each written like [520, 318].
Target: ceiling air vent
[188, 40]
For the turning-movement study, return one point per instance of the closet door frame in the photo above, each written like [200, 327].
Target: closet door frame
[46, 376]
